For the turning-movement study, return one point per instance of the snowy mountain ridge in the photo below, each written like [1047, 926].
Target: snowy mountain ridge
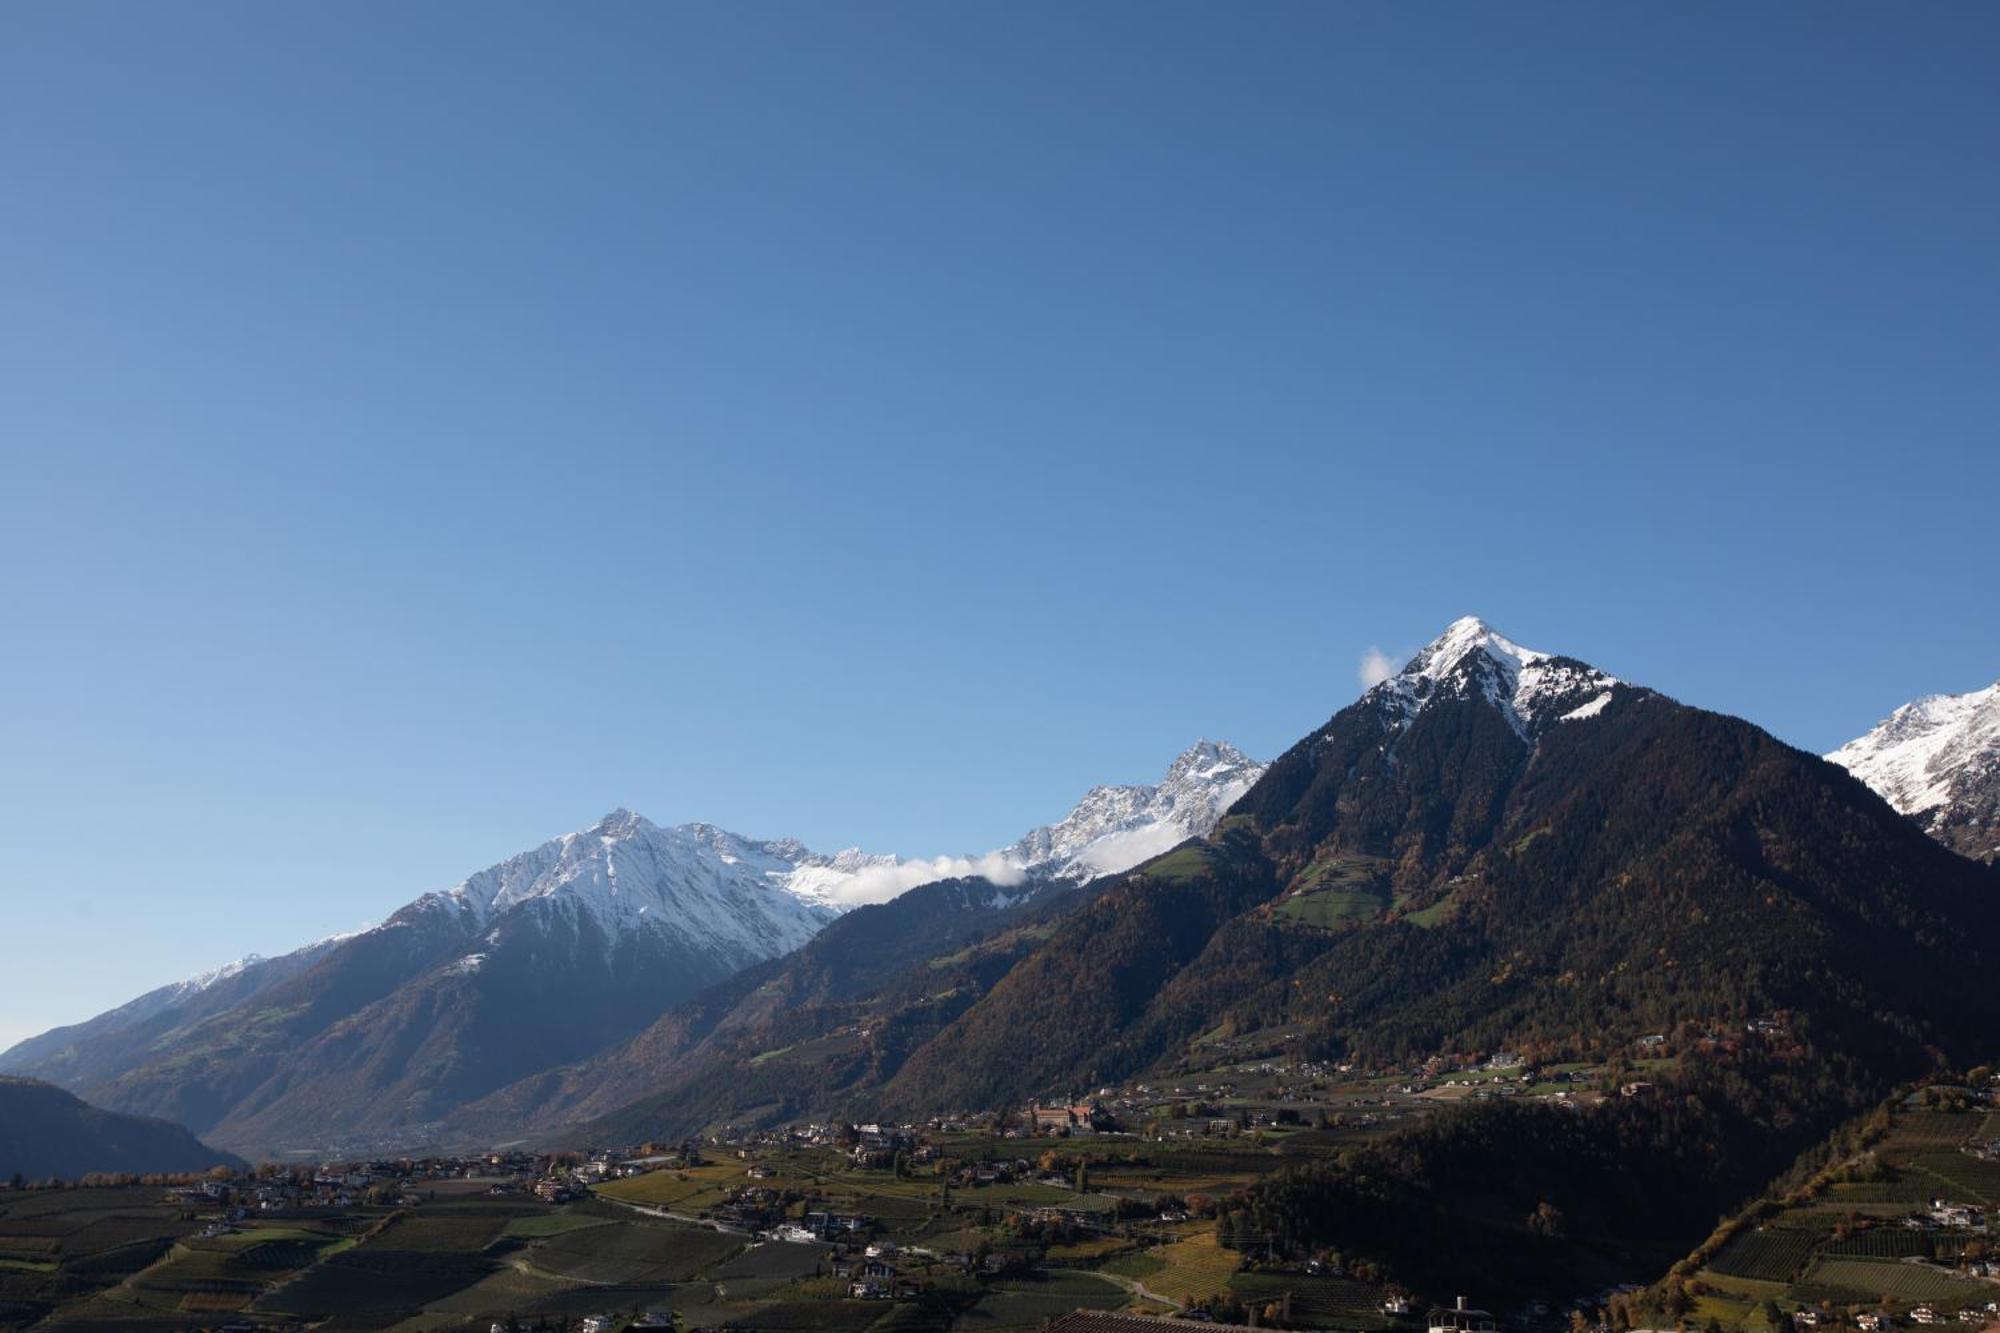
[1115, 828]
[721, 893]
[1937, 760]
[746, 899]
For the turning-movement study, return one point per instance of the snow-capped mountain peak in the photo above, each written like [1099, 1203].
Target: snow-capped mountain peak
[1938, 761]
[1115, 828]
[1207, 761]
[718, 891]
[1461, 639]
[620, 823]
[1530, 688]
[202, 981]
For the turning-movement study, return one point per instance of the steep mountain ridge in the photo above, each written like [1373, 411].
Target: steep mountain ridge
[789, 1037]
[1113, 829]
[360, 1040]
[89, 1052]
[1497, 848]
[1938, 761]
[738, 899]
[1493, 849]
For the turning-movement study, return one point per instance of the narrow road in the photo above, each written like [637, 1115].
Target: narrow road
[1139, 1289]
[673, 1216]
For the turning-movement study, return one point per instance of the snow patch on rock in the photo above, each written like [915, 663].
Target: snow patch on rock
[1919, 754]
[1471, 659]
[1113, 829]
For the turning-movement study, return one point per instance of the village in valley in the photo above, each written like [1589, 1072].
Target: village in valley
[1099, 1213]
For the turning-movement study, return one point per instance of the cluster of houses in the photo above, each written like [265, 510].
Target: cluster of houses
[344, 1185]
[1070, 1117]
[867, 1263]
[611, 1323]
[872, 1275]
[1195, 1110]
[877, 1145]
[1927, 1314]
[751, 1208]
[973, 1175]
[824, 1227]
[1945, 1215]
[408, 1181]
[871, 1267]
[563, 1179]
[876, 1272]
[1872, 1321]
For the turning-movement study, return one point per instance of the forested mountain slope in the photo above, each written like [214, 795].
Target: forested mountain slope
[47, 1132]
[1505, 849]
[796, 1036]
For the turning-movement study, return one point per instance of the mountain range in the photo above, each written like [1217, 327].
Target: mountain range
[1494, 848]
[1497, 850]
[370, 1039]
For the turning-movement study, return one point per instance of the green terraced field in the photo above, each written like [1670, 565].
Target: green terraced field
[508, 1290]
[371, 1282]
[1195, 1269]
[629, 1252]
[1028, 1302]
[69, 1247]
[674, 1189]
[246, 1261]
[553, 1224]
[1908, 1187]
[1856, 1280]
[779, 1259]
[814, 1316]
[1917, 1130]
[1771, 1255]
[1332, 908]
[1884, 1243]
[1321, 1302]
[444, 1229]
[1962, 1174]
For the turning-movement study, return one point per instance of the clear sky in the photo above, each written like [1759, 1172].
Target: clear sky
[426, 427]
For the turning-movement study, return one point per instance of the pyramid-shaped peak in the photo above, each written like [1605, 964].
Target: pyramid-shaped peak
[1471, 659]
[1461, 639]
[620, 823]
[1206, 757]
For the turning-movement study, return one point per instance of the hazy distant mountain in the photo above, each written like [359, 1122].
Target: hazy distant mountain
[83, 1054]
[45, 1132]
[367, 1040]
[1938, 761]
[536, 961]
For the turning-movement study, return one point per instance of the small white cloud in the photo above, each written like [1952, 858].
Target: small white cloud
[1376, 667]
[878, 884]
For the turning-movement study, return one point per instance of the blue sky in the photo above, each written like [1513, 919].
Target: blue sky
[427, 427]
